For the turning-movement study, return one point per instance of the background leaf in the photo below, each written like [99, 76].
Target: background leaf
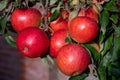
[55, 14]
[107, 45]
[114, 18]
[10, 40]
[80, 77]
[3, 21]
[114, 70]
[102, 66]
[110, 6]
[94, 53]
[53, 2]
[104, 20]
[3, 4]
[116, 49]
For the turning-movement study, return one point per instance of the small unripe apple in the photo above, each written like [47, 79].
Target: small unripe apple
[24, 17]
[32, 42]
[83, 29]
[57, 40]
[73, 59]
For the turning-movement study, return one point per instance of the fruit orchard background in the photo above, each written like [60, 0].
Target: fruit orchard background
[106, 60]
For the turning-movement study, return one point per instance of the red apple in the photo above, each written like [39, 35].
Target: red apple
[89, 12]
[61, 25]
[58, 24]
[83, 29]
[23, 18]
[32, 42]
[73, 59]
[57, 41]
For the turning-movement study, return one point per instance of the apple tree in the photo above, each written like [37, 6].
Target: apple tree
[100, 20]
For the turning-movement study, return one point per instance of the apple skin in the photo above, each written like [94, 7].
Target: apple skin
[73, 59]
[83, 29]
[24, 17]
[57, 40]
[89, 12]
[32, 42]
[61, 25]
[58, 24]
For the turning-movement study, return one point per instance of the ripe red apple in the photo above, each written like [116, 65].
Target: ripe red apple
[57, 40]
[23, 18]
[73, 59]
[83, 29]
[32, 42]
[58, 24]
[89, 12]
[61, 25]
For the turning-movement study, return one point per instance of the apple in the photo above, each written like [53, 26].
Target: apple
[24, 17]
[89, 12]
[58, 24]
[83, 29]
[54, 22]
[61, 25]
[57, 40]
[32, 42]
[73, 59]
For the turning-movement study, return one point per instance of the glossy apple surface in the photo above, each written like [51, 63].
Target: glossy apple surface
[83, 29]
[57, 40]
[32, 42]
[73, 59]
[23, 18]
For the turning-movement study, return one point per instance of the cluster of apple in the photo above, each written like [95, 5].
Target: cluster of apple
[71, 58]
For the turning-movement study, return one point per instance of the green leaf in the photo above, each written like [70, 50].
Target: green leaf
[117, 29]
[114, 18]
[68, 39]
[104, 20]
[55, 11]
[53, 2]
[45, 61]
[116, 49]
[3, 21]
[55, 15]
[94, 53]
[48, 61]
[80, 77]
[107, 45]
[3, 4]
[102, 37]
[110, 6]
[10, 40]
[102, 66]
[114, 69]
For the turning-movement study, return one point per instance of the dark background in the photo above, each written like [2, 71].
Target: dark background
[14, 66]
